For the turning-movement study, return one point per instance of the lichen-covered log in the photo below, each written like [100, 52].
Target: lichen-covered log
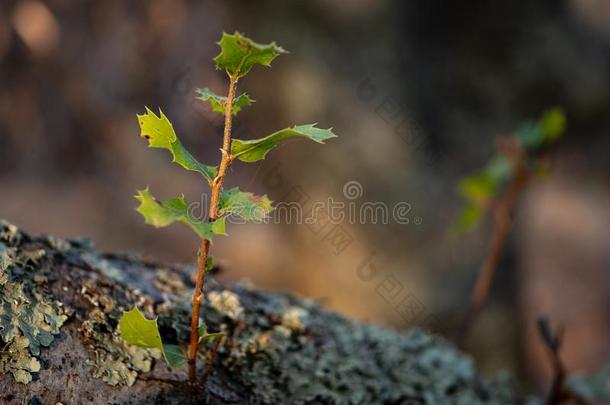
[60, 302]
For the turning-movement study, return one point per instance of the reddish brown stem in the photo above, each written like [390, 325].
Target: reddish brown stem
[216, 188]
[197, 298]
[502, 226]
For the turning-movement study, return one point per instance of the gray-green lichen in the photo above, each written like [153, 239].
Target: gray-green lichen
[294, 352]
[15, 358]
[29, 319]
[114, 361]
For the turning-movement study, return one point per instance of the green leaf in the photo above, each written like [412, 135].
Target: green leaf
[469, 217]
[160, 134]
[477, 188]
[174, 355]
[238, 54]
[245, 205]
[205, 335]
[553, 124]
[498, 168]
[135, 329]
[161, 214]
[218, 102]
[209, 263]
[256, 149]
[548, 129]
[530, 136]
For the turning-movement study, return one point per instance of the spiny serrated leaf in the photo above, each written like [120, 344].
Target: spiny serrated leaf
[218, 102]
[160, 134]
[256, 149]
[245, 205]
[239, 53]
[160, 214]
[174, 355]
[135, 329]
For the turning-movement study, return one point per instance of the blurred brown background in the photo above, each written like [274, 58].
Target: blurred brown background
[416, 91]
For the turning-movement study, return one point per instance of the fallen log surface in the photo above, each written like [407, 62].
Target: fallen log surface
[60, 301]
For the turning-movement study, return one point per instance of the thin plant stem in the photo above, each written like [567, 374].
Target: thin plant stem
[216, 188]
[502, 226]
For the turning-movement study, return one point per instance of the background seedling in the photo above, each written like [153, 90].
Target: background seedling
[496, 188]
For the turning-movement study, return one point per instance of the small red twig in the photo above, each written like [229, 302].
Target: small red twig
[502, 224]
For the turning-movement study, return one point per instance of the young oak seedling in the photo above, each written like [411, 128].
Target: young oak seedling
[238, 54]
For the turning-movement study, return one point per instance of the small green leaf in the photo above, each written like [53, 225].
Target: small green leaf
[248, 206]
[553, 124]
[135, 329]
[239, 53]
[160, 134]
[161, 214]
[205, 335]
[174, 355]
[211, 336]
[477, 188]
[209, 263]
[548, 129]
[530, 136]
[498, 168]
[468, 218]
[256, 149]
[218, 102]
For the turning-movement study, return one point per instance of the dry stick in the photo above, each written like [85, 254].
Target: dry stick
[552, 341]
[216, 187]
[501, 230]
